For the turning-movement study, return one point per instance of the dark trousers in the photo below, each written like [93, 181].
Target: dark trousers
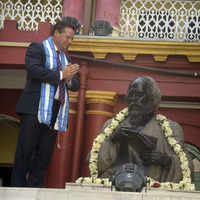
[34, 150]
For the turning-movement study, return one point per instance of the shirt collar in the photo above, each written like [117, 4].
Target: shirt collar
[56, 48]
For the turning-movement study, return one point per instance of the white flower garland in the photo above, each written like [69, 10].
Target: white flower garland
[185, 184]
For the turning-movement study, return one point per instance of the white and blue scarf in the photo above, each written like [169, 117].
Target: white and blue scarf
[48, 91]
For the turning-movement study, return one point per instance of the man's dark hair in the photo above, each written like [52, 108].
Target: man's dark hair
[70, 22]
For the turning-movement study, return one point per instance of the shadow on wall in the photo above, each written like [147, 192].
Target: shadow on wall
[9, 127]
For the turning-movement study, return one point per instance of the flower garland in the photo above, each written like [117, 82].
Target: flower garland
[185, 184]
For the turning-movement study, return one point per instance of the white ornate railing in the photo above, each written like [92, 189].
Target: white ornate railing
[174, 20]
[171, 20]
[29, 13]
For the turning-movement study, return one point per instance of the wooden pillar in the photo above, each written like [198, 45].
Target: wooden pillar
[73, 8]
[87, 17]
[99, 109]
[80, 120]
[109, 11]
[60, 168]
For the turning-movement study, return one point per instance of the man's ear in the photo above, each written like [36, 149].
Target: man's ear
[56, 33]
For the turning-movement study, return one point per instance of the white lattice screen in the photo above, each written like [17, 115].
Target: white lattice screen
[175, 20]
[29, 12]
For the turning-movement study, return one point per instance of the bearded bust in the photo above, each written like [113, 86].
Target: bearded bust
[159, 160]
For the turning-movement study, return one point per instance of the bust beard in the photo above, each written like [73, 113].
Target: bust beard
[140, 118]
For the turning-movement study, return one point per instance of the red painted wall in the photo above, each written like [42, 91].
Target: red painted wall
[15, 55]
[118, 78]
[11, 33]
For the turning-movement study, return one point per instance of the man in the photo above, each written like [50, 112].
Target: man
[43, 106]
[125, 145]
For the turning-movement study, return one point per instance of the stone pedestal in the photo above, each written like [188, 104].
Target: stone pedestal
[82, 192]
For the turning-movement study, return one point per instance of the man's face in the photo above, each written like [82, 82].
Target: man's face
[64, 39]
[140, 100]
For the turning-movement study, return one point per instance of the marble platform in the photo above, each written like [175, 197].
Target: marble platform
[83, 192]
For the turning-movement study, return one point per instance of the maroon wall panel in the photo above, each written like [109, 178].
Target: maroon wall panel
[12, 34]
[8, 101]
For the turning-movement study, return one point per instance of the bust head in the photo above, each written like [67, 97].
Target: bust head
[143, 97]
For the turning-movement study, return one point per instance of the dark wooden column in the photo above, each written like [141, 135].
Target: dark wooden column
[87, 16]
[60, 168]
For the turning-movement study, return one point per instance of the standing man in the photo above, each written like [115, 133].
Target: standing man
[43, 106]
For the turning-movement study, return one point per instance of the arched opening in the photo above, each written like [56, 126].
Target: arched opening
[9, 127]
